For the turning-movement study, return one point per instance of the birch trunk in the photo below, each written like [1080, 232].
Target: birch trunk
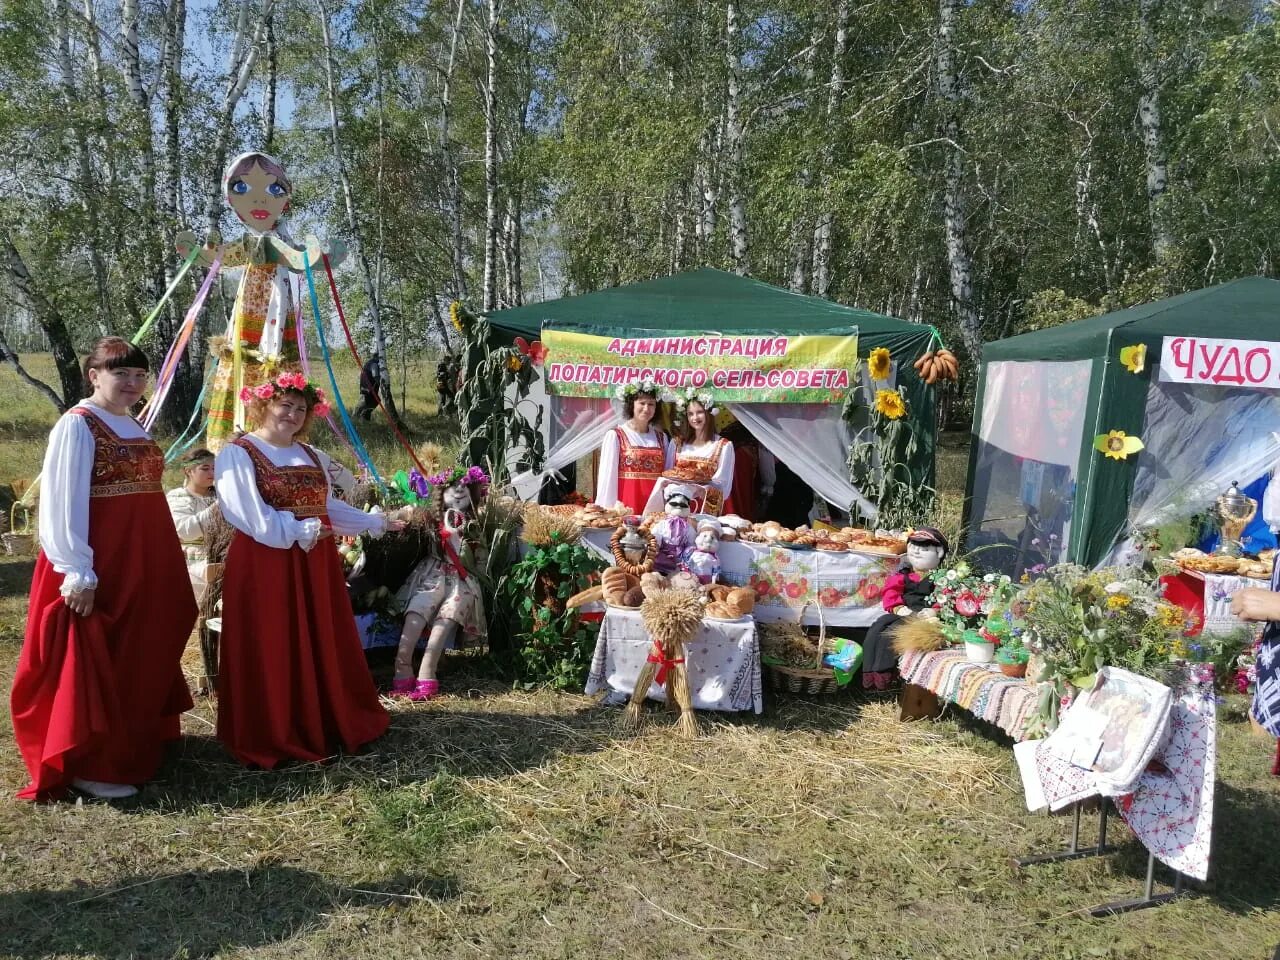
[450, 189]
[269, 87]
[1152, 130]
[801, 227]
[85, 185]
[353, 223]
[738, 249]
[954, 208]
[51, 322]
[835, 93]
[490, 289]
[244, 54]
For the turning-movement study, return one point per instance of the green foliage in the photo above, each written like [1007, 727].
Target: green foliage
[493, 404]
[551, 646]
[879, 466]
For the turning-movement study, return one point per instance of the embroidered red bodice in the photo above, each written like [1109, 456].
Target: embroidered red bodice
[713, 501]
[303, 490]
[640, 463]
[121, 466]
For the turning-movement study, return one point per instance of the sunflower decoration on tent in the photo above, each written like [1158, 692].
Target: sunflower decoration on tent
[884, 444]
[879, 365]
[1134, 357]
[1117, 445]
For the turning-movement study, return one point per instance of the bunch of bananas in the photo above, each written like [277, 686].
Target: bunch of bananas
[940, 364]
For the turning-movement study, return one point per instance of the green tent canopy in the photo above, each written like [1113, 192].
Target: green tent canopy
[1038, 489]
[709, 300]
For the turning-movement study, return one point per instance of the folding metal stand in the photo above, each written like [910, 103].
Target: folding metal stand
[1149, 897]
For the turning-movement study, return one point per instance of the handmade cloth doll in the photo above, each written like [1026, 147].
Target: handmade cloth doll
[905, 592]
[441, 591]
[702, 561]
[674, 533]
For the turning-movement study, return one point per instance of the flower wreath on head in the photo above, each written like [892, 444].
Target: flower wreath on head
[467, 476]
[682, 399]
[643, 385]
[283, 383]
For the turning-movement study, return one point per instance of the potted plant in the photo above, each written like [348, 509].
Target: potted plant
[969, 607]
[1013, 660]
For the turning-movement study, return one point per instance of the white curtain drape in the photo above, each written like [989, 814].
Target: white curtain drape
[575, 427]
[813, 440]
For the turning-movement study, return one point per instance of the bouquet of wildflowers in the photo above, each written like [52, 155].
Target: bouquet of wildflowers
[1080, 620]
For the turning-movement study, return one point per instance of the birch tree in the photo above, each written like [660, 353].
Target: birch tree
[353, 222]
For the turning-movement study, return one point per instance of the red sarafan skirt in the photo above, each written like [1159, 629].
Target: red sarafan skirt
[96, 697]
[292, 679]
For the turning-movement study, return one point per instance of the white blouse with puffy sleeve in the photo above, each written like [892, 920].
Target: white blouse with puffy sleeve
[245, 509]
[64, 493]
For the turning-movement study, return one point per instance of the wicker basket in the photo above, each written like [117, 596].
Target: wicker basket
[19, 541]
[815, 681]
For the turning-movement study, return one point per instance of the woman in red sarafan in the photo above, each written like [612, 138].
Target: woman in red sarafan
[99, 688]
[633, 456]
[292, 680]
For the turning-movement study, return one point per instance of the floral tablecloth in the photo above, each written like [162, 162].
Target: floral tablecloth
[847, 585]
[980, 688]
[723, 660]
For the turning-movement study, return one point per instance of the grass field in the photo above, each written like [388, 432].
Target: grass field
[493, 823]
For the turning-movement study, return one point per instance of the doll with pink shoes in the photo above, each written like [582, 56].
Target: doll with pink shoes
[441, 593]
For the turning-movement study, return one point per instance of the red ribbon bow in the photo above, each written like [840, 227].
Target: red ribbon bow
[659, 656]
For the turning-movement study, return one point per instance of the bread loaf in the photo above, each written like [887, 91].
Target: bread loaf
[722, 610]
[741, 599]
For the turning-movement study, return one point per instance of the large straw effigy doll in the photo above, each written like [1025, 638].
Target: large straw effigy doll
[262, 338]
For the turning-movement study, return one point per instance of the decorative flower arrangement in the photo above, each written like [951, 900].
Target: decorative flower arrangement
[878, 365]
[964, 599]
[682, 398]
[644, 385]
[286, 382]
[1079, 620]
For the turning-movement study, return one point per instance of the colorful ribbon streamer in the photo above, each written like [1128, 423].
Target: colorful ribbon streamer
[305, 362]
[337, 302]
[169, 368]
[333, 380]
[155, 312]
[183, 443]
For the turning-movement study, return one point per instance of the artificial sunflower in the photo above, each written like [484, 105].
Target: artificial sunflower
[878, 363]
[455, 315]
[1134, 358]
[514, 363]
[889, 403]
[1117, 444]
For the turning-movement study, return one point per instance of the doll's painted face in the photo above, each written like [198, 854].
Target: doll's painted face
[707, 541]
[258, 198]
[457, 498]
[677, 505]
[924, 557]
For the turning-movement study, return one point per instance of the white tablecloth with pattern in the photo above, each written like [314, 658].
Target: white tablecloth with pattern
[723, 660]
[847, 585]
